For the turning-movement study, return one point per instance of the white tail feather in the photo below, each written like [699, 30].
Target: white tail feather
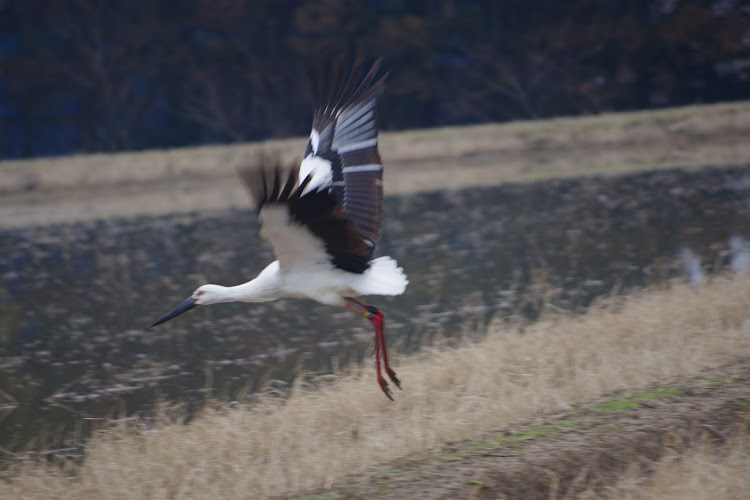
[384, 277]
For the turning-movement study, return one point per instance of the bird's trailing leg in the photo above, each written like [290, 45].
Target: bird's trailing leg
[377, 318]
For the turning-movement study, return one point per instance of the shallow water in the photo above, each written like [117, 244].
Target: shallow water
[76, 298]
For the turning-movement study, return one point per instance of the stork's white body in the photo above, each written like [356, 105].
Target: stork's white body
[304, 270]
[322, 283]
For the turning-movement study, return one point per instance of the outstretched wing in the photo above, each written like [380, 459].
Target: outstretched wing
[342, 154]
[305, 227]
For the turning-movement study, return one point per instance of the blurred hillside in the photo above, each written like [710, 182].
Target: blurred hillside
[95, 75]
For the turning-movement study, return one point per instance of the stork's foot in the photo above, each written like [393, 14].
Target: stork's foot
[384, 386]
[393, 377]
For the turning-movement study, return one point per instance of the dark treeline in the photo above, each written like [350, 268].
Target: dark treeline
[107, 75]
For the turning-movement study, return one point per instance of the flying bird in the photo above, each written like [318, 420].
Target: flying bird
[323, 217]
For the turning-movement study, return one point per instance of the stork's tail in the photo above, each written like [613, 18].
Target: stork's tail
[384, 277]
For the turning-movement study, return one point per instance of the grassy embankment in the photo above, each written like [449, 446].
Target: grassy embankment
[332, 427]
[204, 178]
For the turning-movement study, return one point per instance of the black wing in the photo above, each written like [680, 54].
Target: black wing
[347, 136]
[303, 228]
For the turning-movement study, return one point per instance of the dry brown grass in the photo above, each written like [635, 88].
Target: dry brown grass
[318, 434]
[95, 186]
[710, 471]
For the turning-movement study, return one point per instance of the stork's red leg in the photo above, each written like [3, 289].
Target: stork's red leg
[381, 381]
[377, 317]
[378, 320]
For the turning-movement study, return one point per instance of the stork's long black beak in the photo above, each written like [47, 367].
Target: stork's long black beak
[186, 305]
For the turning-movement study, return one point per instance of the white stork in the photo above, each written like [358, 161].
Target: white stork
[323, 218]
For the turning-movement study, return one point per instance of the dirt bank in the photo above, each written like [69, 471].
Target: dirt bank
[99, 186]
[565, 454]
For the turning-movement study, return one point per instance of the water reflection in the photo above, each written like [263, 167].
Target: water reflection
[690, 263]
[739, 253]
[76, 298]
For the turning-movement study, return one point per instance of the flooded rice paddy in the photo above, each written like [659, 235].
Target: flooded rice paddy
[76, 298]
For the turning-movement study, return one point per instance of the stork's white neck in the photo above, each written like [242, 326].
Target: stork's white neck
[263, 288]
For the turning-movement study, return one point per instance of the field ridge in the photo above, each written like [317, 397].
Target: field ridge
[100, 186]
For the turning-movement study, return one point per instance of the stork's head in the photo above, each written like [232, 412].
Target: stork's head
[206, 294]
